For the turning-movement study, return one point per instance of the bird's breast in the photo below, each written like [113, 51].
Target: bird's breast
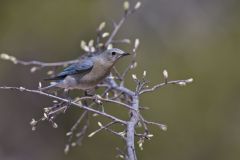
[95, 76]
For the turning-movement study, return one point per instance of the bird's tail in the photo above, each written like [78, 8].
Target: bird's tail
[51, 86]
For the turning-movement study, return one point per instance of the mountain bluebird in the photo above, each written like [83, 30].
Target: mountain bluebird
[88, 72]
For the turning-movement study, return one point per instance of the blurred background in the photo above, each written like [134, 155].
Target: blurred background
[189, 38]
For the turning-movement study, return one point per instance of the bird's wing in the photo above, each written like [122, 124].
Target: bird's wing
[83, 67]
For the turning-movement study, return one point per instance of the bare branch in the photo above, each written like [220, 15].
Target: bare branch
[106, 127]
[65, 100]
[179, 82]
[75, 126]
[118, 25]
[108, 100]
[162, 126]
[132, 64]
[36, 63]
[131, 152]
[145, 122]
[116, 28]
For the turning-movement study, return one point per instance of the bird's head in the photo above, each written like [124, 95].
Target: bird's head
[112, 55]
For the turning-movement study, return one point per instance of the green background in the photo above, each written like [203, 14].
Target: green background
[189, 38]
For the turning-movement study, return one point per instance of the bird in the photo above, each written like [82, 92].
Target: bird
[89, 71]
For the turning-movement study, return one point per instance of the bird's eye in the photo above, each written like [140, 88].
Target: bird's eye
[113, 53]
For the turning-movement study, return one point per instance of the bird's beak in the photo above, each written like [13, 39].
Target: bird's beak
[125, 54]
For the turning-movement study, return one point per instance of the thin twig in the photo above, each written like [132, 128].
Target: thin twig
[41, 64]
[128, 68]
[75, 126]
[80, 135]
[106, 127]
[116, 28]
[162, 126]
[157, 86]
[108, 100]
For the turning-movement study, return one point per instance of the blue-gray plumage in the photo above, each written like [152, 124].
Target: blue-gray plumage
[88, 72]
